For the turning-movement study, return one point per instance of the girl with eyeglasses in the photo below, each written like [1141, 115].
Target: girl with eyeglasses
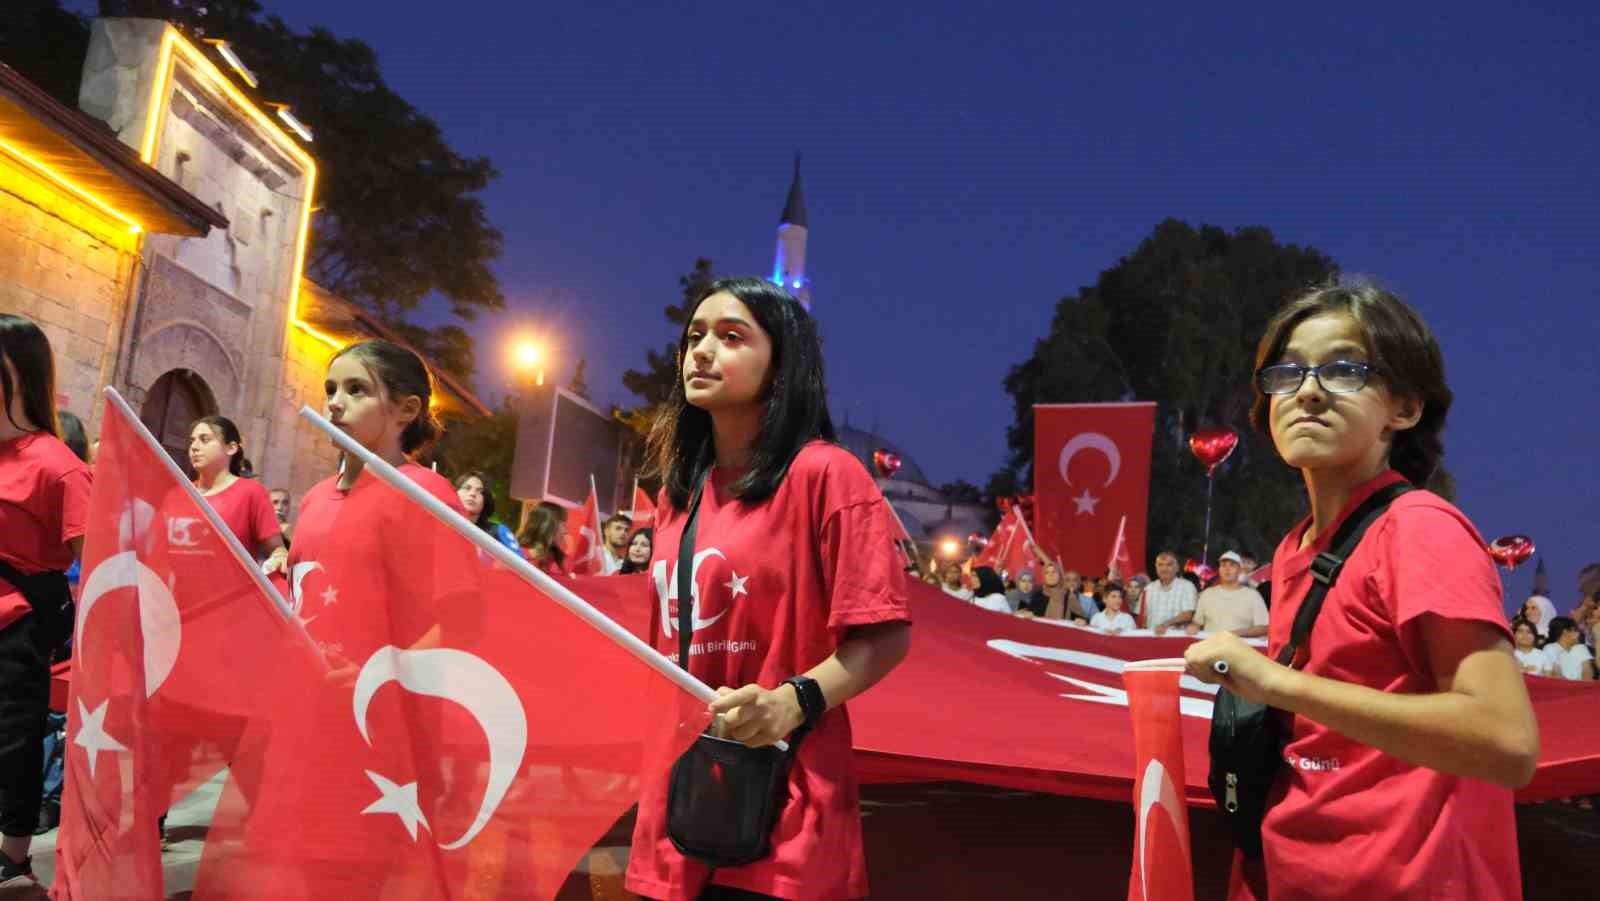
[1408, 721]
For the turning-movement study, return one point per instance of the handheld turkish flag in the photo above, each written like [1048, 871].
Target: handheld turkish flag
[1019, 551]
[582, 541]
[177, 638]
[482, 729]
[1000, 541]
[643, 514]
[1121, 565]
[1161, 865]
[1091, 464]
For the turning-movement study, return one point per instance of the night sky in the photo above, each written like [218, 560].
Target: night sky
[965, 168]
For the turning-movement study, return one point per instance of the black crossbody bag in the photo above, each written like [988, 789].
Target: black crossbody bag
[1247, 738]
[723, 797]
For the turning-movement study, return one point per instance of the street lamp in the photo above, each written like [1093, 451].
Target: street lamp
[950, 548]
[527, 355]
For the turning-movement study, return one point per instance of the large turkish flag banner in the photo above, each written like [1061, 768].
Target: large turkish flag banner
[1091, 467]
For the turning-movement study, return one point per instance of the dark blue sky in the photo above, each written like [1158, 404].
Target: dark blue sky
[967, 167]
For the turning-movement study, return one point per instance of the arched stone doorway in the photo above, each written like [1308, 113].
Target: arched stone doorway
[174, 402]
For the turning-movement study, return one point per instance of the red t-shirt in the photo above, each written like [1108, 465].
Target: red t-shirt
[44, 503]
[367, 568]
[777, 585]
[1349, 821]
[246, 508]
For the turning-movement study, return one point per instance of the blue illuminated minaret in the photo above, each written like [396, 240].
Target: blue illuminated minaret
[789, 269]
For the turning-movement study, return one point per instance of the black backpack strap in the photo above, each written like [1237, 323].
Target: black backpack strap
[1326, 567]
[685, 574]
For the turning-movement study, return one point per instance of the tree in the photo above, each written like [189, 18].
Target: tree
[580, 384]
[400, 219]
[489, 445]
[961, 491]
[1177, 322]
[47, 44]
[448, 346]
[654, 383]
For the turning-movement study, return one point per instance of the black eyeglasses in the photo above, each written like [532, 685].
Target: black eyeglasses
[1336, 377]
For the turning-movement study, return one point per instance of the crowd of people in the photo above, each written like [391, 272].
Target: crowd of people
[1174, 601]
[1350, 388]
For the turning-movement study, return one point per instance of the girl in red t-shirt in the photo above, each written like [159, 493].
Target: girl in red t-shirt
[367, 569]
[44, 505]
[216, 453]
[1407, 718]
[799, 600]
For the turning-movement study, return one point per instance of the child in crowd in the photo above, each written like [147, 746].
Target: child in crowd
[1566, 654]
[1111, 620]
[1529, 656]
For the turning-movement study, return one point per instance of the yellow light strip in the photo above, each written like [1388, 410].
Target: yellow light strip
[161, 95]
[47, 172]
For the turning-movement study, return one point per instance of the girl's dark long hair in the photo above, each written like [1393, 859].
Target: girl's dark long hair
[228, 433]
[401, 373]
[26, 346]
[485, 517]
[680, 444]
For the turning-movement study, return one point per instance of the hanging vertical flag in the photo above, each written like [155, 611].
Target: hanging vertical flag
[1161, 865]
[1091, 465]
[582, 540]
[643, 514]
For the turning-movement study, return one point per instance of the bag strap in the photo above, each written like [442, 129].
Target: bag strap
[1327, 565]
[685, 573]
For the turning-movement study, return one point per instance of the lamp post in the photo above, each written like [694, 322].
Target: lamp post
[528, 357]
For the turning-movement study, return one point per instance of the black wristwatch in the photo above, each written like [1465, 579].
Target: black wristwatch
[812, 703]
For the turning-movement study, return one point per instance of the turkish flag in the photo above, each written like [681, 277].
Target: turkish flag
[177, 639]
[1120, 565]
[1091, 467]
[1161, 863]
[474, 739]
[1000, 541]
[582, 540]
[644, 509]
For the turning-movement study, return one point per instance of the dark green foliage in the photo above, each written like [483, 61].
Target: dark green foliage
[654, 383]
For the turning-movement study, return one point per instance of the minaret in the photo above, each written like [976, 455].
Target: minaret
[789, 269]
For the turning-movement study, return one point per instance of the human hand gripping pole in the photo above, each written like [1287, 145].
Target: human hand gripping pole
[513, 561]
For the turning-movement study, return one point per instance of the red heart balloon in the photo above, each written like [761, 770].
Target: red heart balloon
[1511, 551]
[1212, 446]
[887, 463]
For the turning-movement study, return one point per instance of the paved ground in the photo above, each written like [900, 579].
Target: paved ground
[957, 841]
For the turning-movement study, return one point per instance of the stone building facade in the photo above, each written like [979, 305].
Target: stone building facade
[200, 312]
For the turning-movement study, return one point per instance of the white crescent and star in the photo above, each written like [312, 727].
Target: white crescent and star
[1089, 441]
[159, 623]
[297, 600]
[466, 679]
[668, 622]
[91, 735]
[1157, 788]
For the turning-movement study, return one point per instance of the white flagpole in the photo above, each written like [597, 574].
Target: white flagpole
[1116, 546]
[515, 562]
[115, 401]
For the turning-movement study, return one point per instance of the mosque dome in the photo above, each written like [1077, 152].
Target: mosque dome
[862, 444]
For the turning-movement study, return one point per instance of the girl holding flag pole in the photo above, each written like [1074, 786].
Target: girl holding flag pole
[364, 572]
[798, 602]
